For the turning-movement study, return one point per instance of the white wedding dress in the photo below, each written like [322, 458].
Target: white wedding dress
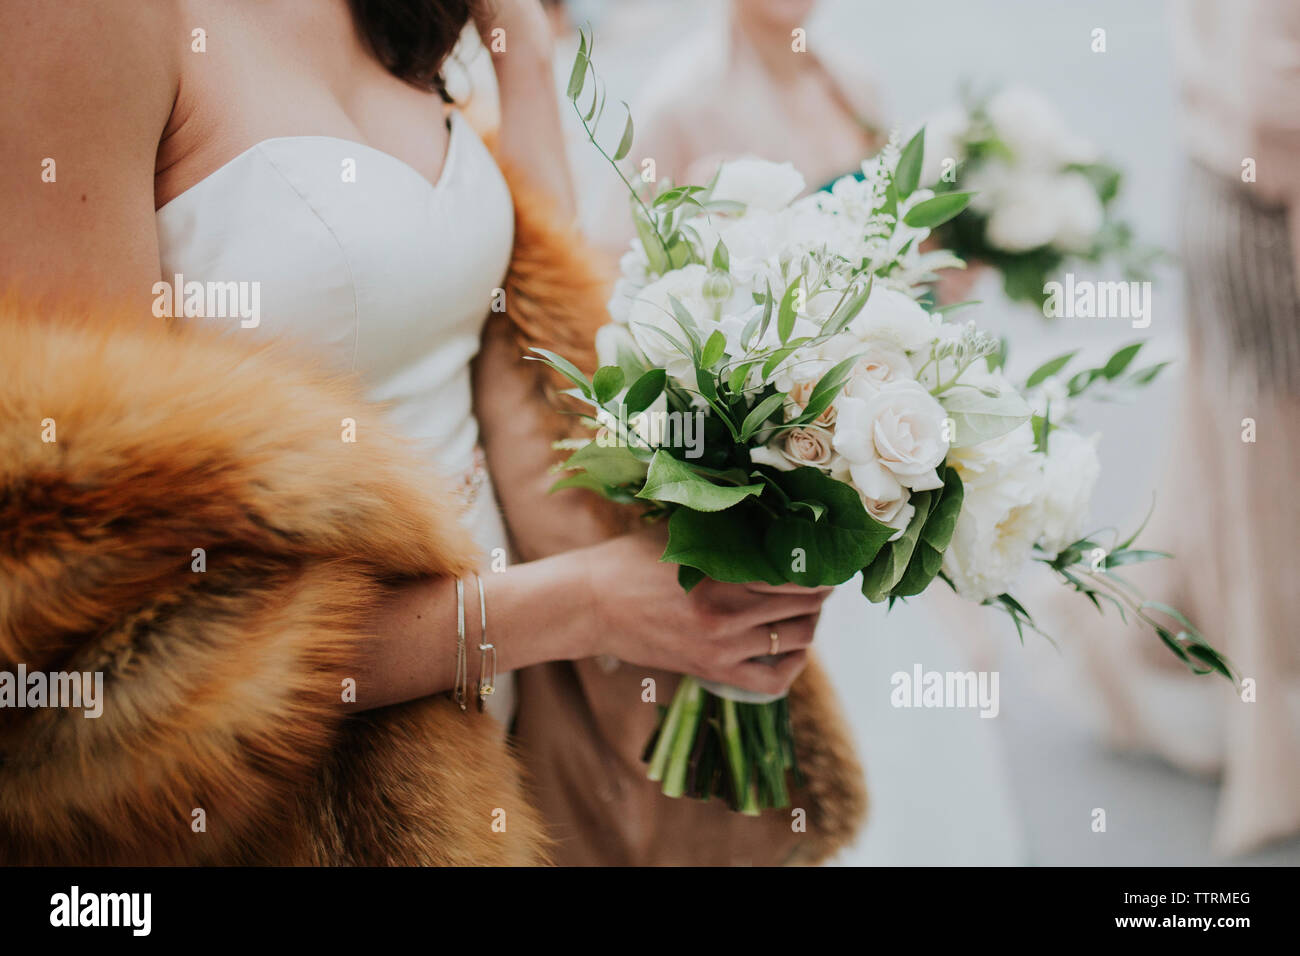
[364, 264]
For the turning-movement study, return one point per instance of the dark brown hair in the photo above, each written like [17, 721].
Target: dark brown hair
[412, 38]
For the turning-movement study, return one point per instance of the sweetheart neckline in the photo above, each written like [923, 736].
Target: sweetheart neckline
[454, 121]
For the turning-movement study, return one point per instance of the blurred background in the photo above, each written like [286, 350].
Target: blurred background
[948, 787]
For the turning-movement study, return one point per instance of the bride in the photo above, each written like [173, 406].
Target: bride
[249, 547]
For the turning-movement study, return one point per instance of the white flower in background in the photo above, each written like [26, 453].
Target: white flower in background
[1001, 513]
[1025, 213]
[758, 183]
[1051, 398]
[652, 310]
[1035, 131]
[1070, 472]
[1079, 212]
[892, 439]
[945, 134]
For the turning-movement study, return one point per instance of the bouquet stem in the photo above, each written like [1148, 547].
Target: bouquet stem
[707, 746]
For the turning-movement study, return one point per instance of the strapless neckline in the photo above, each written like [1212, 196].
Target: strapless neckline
[454, 121]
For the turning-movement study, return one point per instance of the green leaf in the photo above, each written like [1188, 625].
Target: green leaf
[1118, 362]
[624, 144]
[979, 418]
[832, 549]
[935, 212]
[672, 480]
[1145, 376]
[686, 322]
[736, 381]
[645, 390]
[848, 309]
[607, 382]
[908, 173]
[721, 258]
[786, 315]
[759, 414]
[720, 545]
[1118, 559]
[827, 388]
[883, 573]
[688, 577]
[1049, 368]
[936, 535]
[613, 464]
[578, 75]
[780, 355]
[713, 349]
[564, 367]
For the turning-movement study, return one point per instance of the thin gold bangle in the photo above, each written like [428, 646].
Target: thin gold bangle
[458, 692]
[485, 686]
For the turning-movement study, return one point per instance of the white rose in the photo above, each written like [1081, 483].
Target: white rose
[652, 310]
[892, 439]
[1079, 211]
[879, 363]
[758, 183]
[795, 448]
[896, 513]
[1069, 476]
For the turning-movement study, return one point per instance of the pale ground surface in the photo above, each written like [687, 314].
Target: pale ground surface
[947, 786]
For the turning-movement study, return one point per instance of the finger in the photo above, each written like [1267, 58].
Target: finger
[793, 634]
[768, 678]
[779, 607]
[761, 588]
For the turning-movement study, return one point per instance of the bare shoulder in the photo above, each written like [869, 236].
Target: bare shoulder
[87, 54]
[86, 89]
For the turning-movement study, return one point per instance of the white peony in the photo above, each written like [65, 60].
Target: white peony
[894, 319]
[1001, 513]
[892, 439]
[652, 310]
[1070, 472]
[758, 183]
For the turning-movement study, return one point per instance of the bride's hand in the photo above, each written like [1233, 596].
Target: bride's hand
[642, 616]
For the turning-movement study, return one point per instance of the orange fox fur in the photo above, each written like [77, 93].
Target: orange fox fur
[222, 689]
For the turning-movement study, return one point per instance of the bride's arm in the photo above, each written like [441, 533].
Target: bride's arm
[86, 89]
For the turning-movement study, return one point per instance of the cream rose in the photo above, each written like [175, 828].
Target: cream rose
[796, 448]
[892, 439]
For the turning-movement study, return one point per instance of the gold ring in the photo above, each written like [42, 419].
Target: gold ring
[776, 644]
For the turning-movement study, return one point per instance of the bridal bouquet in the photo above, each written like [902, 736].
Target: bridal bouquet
[1042, 194]
[771, 387]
